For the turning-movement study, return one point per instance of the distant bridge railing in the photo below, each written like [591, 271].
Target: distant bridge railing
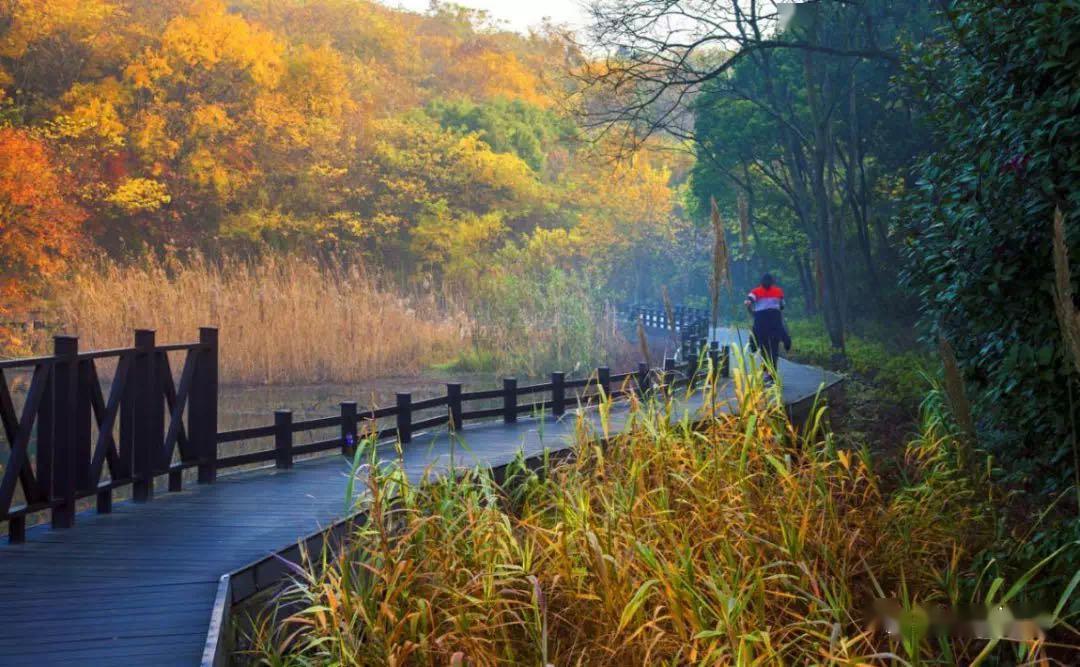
[148, 426]
[689, 325]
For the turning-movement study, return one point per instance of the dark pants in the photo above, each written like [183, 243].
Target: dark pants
[770, 351]
[769, 332]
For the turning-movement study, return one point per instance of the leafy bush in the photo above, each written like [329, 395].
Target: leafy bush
[900, 373]
[1000, 92]
[538, 321]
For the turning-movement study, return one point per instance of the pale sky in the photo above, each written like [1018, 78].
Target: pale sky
[518, 15]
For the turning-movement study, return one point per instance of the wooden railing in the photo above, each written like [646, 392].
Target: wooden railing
[146, 426]
[142, 430]
[685, 320]
[690, 325]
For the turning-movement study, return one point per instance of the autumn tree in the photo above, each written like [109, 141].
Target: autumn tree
[39, 228]
[428, 143]
[797, 68]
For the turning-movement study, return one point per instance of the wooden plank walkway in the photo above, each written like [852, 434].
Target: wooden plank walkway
[137, 586]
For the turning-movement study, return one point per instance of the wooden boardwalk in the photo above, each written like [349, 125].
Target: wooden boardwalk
[137, 586]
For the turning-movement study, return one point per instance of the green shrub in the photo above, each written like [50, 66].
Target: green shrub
[533, 322]
[900, 373]
[999, 90]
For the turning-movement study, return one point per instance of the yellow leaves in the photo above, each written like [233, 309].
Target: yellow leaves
[282, 122]
[554, 244]
[34, 20]
[150, 136]
[209, 121]
[498, 171]
[844, 457]
[95, 110]
[627, 205]
[211, 38]
[490, 73]
[300, 119]
[254, 225]
[457, 243]
[318, 82]
[137, 195]
[151, 67]
[213, 170]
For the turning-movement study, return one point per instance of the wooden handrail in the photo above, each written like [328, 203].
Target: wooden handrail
[148, 426]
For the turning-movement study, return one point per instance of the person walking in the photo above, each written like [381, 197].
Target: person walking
[766, 304]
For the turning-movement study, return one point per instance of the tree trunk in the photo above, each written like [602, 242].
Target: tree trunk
[832, 301]
[806, 282]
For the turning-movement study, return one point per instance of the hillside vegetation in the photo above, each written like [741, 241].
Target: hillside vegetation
[434, 150]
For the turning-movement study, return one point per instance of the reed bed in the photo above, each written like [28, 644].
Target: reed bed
[282, 319]
[739, 541]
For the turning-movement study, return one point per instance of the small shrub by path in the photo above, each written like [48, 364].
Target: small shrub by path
[898, 370]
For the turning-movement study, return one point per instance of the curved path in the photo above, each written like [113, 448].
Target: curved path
[137, 586]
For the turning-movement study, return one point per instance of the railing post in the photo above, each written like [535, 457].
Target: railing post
[348, 428]
[147, 400]
[17, 529]
[176, 479]
[509, 400]
[725, 362]
[558, 393]
[83, 433]
[46, 423]
[65, 384]
[643, 379]
[453, 402]
[603, 380]
[714, 358]
[104, 501]
[206, 398]
[692, 367]
[404, 416]
[283, 440]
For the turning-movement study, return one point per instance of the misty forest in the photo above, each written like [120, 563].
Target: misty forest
[364, 200]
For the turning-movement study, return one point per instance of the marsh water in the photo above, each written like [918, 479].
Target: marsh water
[242, 406]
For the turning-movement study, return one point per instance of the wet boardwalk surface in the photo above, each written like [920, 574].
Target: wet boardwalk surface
[136, 587]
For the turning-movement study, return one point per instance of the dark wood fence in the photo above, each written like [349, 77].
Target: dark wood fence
[688, 324]
[149, 426]
[146, 426]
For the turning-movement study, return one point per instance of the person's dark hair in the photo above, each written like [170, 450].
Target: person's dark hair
[767, 280]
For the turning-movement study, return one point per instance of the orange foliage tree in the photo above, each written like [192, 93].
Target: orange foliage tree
[39, 228]
[427, 142]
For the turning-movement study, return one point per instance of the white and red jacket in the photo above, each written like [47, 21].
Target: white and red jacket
[767, 304]
[763, 298]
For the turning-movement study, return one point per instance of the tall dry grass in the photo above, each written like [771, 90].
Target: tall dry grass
[742, 542]
[282, 319]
